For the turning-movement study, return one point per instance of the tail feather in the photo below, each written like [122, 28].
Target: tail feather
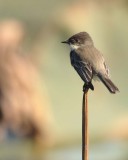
[109, 84]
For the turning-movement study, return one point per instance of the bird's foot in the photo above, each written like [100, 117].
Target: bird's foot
[85, 88]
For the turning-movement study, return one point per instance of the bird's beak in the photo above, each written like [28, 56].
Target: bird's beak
[65, 42]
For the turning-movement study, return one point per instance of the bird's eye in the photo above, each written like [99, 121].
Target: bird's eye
[73, 41]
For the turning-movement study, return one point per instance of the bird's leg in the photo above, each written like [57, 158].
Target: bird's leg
[85, 88]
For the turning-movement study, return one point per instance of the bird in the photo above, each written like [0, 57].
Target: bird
[89, 62]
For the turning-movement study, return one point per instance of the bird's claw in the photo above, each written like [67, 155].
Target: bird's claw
[85, 88]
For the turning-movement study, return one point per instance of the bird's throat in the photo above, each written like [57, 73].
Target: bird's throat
[74, 47]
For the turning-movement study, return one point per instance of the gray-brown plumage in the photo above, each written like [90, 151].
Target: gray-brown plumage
[88, 61]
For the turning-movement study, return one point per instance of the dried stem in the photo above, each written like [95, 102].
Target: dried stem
[85, 137]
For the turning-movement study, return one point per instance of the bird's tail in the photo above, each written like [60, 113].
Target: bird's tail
[109, 84]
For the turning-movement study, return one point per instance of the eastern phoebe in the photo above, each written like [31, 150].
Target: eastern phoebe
[88, 61]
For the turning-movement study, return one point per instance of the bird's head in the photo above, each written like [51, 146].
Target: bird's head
[79, 40]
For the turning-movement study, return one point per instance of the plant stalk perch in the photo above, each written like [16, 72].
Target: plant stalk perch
[85, 136]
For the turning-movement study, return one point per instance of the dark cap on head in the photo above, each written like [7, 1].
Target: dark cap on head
[79, 39]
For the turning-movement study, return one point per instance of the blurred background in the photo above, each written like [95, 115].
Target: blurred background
[41, 94]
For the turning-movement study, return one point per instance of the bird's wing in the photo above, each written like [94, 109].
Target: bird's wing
[83, 68]
[97, 61]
